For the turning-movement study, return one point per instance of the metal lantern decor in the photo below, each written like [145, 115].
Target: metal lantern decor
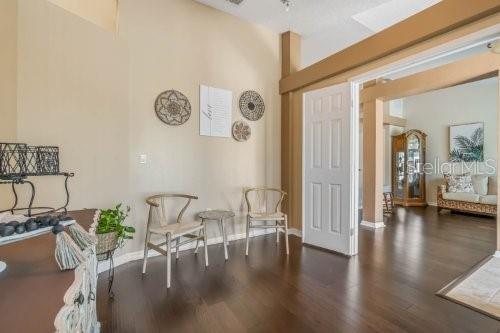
[252, 105]
[18, 162]
[47, 159]
[19, 159]
[241, 131]
[172, 107]
[13, 158]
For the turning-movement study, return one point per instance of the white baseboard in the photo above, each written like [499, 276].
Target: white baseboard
[138, 255]
[496, 254]
[433, 204]
[295, 232]
[373, 225]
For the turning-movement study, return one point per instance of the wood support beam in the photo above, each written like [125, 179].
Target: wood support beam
[438, 78]
[290, 49]
[290, 63]
[373, 163]
[439, 19]
[390, 120]
[394, 121]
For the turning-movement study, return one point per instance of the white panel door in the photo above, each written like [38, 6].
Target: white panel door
[330, 170]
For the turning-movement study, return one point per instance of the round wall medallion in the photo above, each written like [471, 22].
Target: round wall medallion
[172, 107]
[241, 131]
[252, 105]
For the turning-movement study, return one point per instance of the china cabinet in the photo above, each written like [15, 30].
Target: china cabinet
[408, 177]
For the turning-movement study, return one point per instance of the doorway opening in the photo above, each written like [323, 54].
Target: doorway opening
[317, 199]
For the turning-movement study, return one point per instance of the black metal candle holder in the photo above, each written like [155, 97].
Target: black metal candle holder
[18, 161]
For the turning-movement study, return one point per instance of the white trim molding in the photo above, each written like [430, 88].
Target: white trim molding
[138, 255]
[496, 254]
[295, 232]
[373, 225]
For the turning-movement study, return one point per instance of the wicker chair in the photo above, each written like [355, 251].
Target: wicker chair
[193, 231]
[262, 215]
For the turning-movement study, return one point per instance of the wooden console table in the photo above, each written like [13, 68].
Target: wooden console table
[32, 288]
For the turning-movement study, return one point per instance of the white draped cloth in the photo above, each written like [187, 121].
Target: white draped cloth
[8, 217]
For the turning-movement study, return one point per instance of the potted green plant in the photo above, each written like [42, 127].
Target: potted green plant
[110, 231]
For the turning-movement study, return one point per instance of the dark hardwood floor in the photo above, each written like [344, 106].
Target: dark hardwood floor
[389, 287]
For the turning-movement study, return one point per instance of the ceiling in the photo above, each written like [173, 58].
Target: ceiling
[326, 26]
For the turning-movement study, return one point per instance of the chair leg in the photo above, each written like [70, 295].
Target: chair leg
[224, 239]
[277, 233]
[197, 242]
[146, 248]
[205, 244]
[286, 235]
[247, 235]
[177, 248]
[169, 258]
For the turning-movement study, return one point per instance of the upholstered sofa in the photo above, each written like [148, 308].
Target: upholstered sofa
[481, 202]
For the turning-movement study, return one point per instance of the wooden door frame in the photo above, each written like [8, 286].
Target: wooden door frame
[372, 98]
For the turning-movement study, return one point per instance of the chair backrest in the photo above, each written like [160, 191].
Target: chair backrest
[158, 209]
[255, 197]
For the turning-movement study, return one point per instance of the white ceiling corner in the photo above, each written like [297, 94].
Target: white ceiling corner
[326, 26]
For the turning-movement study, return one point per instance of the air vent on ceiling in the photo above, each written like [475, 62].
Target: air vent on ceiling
[236, 2]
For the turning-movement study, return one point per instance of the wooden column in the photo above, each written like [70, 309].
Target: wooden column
[373, 163]
[290, 63]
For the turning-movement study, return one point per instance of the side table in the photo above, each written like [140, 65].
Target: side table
[220, 216]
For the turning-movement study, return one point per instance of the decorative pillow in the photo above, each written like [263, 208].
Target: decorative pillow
[459, 183]
[480, 184]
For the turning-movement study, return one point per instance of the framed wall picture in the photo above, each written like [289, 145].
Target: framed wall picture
[467, 142]
[215, 111]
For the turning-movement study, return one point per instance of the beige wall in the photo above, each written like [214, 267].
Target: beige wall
[104, 13]
[435, 111]
[8, 69]
[73, 88]
[8, 80]
[92, 93]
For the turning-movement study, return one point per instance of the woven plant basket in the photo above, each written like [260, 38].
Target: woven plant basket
[106, 243]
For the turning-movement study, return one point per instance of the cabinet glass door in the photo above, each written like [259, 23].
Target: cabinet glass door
[414, 167]
[400, 174]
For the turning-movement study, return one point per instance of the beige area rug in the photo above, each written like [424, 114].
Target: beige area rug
[478, 289]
